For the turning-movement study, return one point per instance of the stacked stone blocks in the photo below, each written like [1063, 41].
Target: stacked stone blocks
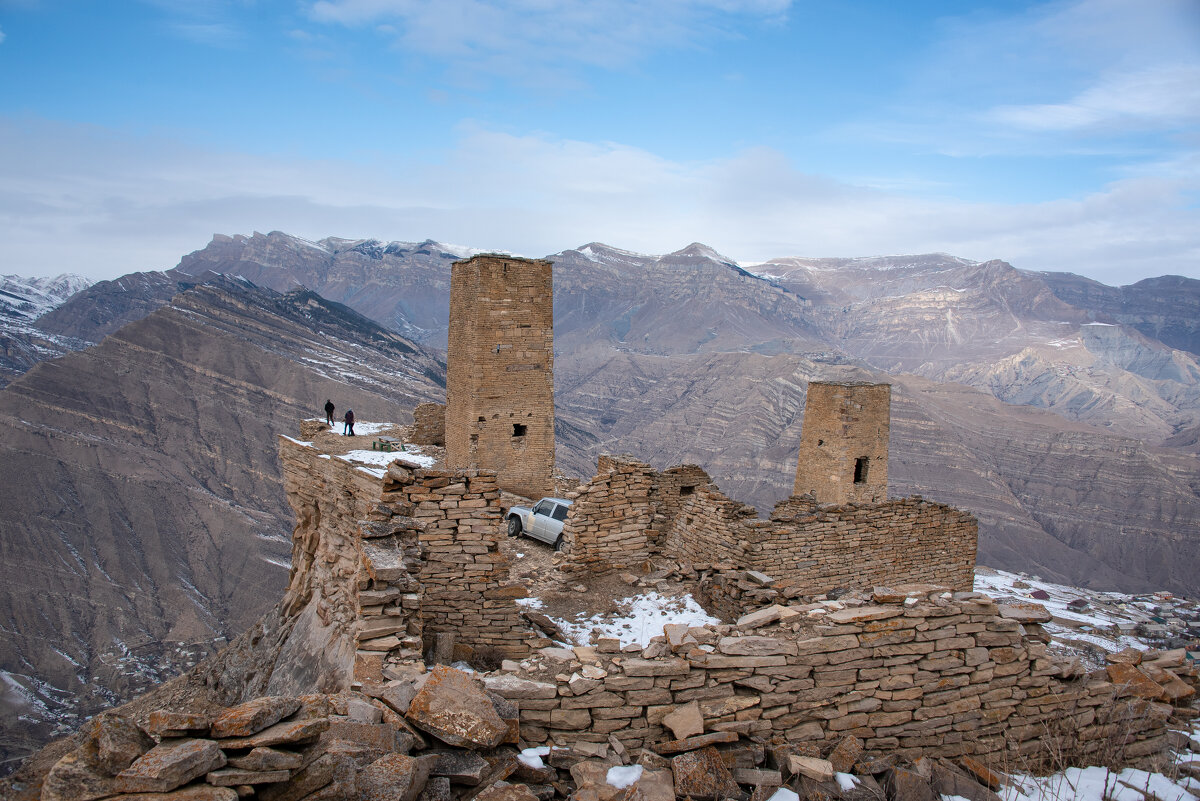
[394, 560]
[942, 676]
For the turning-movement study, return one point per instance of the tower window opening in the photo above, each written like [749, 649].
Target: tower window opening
[860, 469]
[519, 430]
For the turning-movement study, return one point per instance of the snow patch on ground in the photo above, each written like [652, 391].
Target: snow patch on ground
[533, 602]
[621, 776]
[643, 618]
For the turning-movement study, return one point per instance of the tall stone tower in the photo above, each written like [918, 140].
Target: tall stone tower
[844, 442]
[500, 371]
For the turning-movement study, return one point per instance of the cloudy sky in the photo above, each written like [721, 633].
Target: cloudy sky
[1055, 136]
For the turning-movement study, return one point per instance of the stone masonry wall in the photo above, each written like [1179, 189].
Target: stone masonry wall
[429, 424]
[820, 548]
[914, 673]
[616, 519]
[500, 371]
[844, 443]
[392, 558]
[464, 575]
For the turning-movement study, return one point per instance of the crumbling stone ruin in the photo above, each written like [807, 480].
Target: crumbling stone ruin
[844, 442]
[906, 691]
[500, 371]
[398, 559]
[429, 424]
[629, 512]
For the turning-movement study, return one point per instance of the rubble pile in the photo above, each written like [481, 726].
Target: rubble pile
[440, 736]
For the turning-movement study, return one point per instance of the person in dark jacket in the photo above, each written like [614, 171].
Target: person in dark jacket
[329, 412]
[348, 429]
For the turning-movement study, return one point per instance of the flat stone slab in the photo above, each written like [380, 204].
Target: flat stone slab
[252, 716]
[1133, 681]
[862, 614]
[1024, 613]
[754, 646]
[262, 758]
[193, 792]
[685, 721]
[166, 723]
[170, 764]
[233, 777]
[286, 733]
[655, 667]
[519, 689]
[694, 743]
[820, 770]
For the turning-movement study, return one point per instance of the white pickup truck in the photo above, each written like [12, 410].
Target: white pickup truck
[543, 522]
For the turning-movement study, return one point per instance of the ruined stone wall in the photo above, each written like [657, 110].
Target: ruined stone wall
[388, 560]
[499, 374]
[844, 443]
[616, 519]
[820, 548]
[429, 424]
[464, 575]
[931, 676]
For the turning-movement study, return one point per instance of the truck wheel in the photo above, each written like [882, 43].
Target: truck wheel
[558, 543]
[514, 526]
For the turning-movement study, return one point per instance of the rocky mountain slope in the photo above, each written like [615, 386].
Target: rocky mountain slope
[22, 301]
[143, 512]
[690, 357]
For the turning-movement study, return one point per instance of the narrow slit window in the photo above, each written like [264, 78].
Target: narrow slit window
[519, 430]
[861, 466]
[686, 490]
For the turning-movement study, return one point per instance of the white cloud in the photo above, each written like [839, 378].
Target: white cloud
[1163, 95]
[528, 38]
[86, 200]
[1061, 77]
[2, 36]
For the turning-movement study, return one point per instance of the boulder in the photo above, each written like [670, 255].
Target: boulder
[77, 777]
[1133, 681]
[846, 754]
[170, 764]
[454, 707]
[702, 776]
[118, 740]
[325, 770]
[393, 777]
[507, 792]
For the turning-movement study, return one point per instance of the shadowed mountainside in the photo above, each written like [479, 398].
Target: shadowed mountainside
[144, 511]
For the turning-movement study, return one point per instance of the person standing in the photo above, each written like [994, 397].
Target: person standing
[329, 412]
[348, 429]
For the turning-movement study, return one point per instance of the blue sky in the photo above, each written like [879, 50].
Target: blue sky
[1055, 136]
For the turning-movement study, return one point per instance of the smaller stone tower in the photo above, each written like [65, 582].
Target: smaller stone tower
[844, 442]
[500, 371]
